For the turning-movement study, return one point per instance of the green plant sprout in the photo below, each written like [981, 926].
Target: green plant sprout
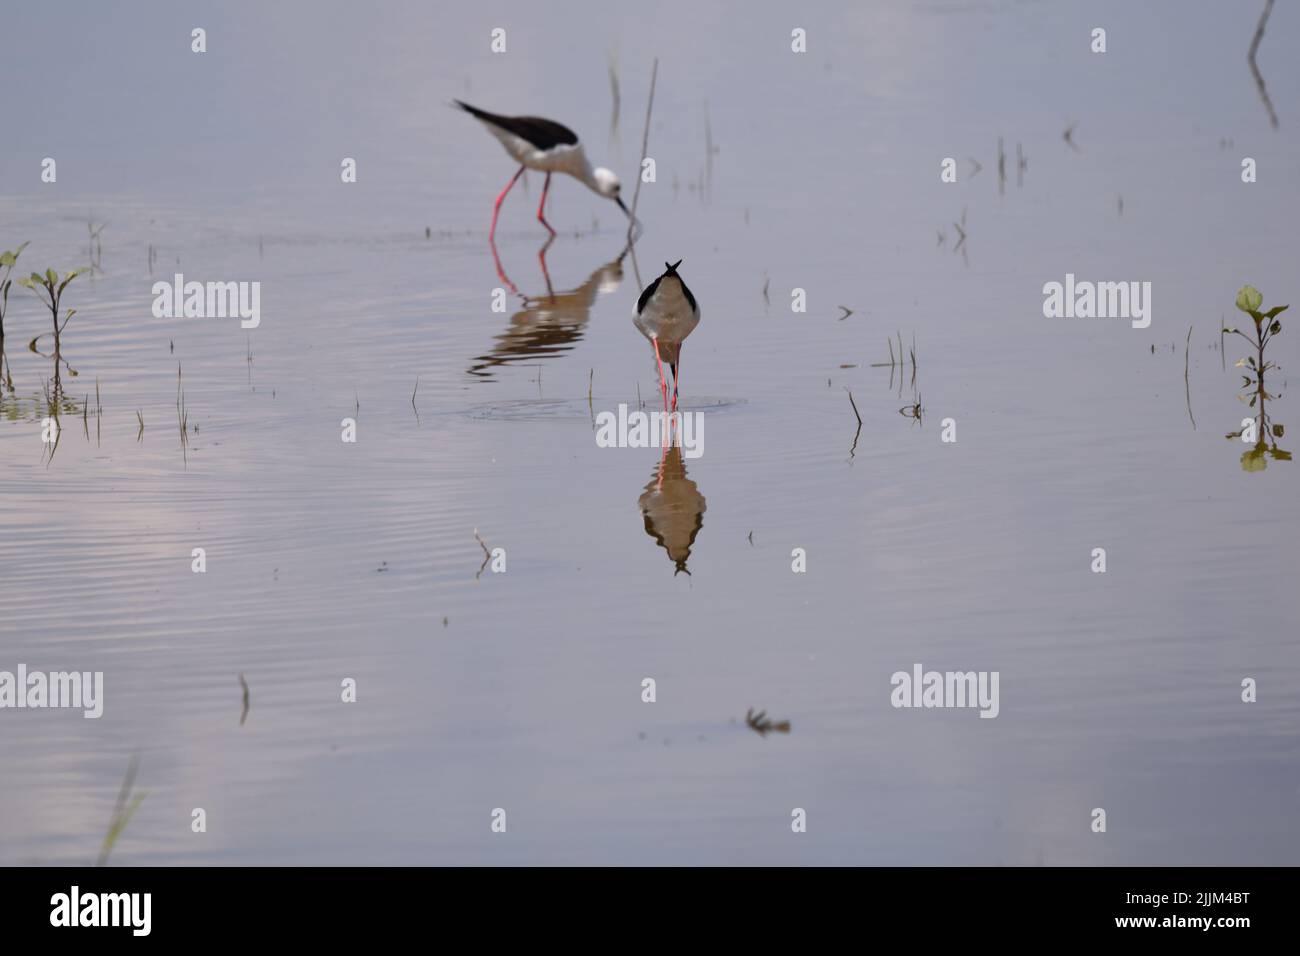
[49, 289]
[7, 261]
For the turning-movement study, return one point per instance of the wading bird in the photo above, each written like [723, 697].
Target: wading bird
[666, 313]
[549, 147]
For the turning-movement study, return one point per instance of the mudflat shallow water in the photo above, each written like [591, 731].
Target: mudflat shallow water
[522, 690]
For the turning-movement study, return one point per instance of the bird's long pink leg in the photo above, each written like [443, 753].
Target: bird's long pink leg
[546, 273]
[663, 382]
[541, 206]
[676, 377]
[496, 209]
[501, 273]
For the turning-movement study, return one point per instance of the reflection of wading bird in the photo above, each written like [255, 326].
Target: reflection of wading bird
[666, 313]
[544, 145]
[549, 324]
[673, 508]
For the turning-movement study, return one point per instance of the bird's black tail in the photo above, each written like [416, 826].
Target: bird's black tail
[672, 268]
[475, 111]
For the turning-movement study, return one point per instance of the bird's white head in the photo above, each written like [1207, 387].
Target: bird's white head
[606, 183]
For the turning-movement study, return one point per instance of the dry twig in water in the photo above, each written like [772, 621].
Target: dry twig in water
[487, 555]
[645, 145]
[760, 724]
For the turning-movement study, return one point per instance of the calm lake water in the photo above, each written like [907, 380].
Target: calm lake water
[522, 690]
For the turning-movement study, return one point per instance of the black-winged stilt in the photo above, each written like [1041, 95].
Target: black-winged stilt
[666, 313]
[550, 147]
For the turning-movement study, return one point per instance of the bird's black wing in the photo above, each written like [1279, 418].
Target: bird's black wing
[650, 290]
[542, 133]
[653, 287]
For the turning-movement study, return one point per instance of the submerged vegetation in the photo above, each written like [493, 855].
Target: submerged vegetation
[1259, 432]
[128, 801]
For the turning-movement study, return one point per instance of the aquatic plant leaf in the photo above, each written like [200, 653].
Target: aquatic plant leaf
[69, 277]
[118, 824]
[1253, 460]
[51, 276]
[31, 282]
[1276, 311]
[1249, 298]
[10, 257]
[1278, 431]
[1281, 455]
[1275, 328]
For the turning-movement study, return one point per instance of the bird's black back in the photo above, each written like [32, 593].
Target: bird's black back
[542, 133]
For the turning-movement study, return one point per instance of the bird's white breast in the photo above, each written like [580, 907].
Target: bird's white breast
[559, 159]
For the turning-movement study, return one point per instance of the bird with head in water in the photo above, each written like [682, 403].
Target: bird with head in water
[666, 313]
[547, 146]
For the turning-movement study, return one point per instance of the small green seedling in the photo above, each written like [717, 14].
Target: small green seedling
[7, 261]
[49, 289]
[1267, 325]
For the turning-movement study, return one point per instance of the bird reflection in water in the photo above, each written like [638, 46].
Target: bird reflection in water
[550, 324]
[673, 508]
